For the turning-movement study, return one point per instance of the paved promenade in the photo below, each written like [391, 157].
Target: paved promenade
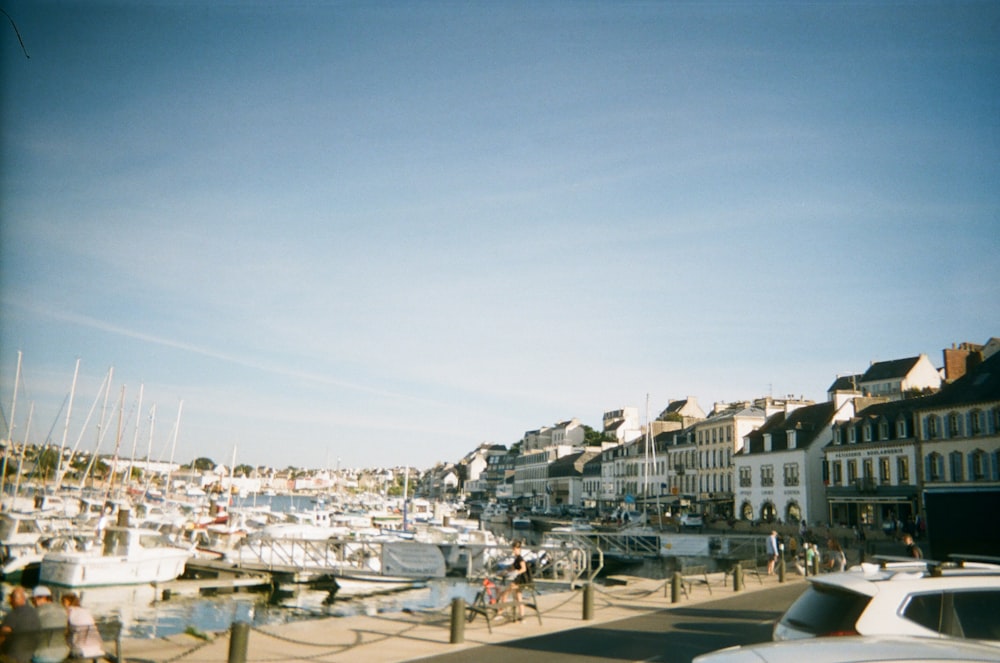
[411, 636]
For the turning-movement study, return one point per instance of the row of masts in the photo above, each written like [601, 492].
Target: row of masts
[64, 465]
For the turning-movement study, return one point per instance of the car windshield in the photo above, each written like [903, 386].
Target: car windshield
[825, 611]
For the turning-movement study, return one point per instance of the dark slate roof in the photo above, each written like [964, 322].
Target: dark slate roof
[809, 420]
[981, 384]
[570, 464]
[892, 409]
[845, 383]
[887, 370]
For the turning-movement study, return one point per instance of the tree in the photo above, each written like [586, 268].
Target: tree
[203, 464]
[594, 438]
[47, 462]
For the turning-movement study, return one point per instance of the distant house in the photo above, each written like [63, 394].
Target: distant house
[565, 483]
[896, 378]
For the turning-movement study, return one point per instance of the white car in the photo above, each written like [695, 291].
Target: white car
[958, 598]
[857, 649]
[692, 520]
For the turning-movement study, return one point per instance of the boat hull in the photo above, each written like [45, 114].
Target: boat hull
[80, 570]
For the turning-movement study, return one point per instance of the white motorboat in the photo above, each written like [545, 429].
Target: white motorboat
[129, 556]
[576, 525]
[495, 513]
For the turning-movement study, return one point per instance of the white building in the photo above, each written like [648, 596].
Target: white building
[780, 468]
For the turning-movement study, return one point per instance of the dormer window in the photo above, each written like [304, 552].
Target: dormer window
[901, 428]
[883, 430]
[852, 435]
[867, 432]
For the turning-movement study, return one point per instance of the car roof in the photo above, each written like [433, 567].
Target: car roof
[856, 649]
[867, 578]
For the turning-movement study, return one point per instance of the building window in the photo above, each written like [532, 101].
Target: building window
[767, 475]
[838, 475]
[852, 471]
[852, 435]
[954, 425]
[935, 466]
[903, 469]
[867, 468]
[867, 431]
[932, 427]
[791, 474]
[976, 422]
[883, 429]
[883, 470]
[746, 477]
[977, 465]
[955, 466]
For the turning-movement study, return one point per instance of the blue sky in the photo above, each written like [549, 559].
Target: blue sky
[385, 232]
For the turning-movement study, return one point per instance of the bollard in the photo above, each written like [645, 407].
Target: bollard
[815, 568]
[737, 577]
[239, 637]
[457, 620]
[588, 601]
[675, 587]
[781, 570]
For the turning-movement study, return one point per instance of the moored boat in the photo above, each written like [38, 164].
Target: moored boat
[129, 556]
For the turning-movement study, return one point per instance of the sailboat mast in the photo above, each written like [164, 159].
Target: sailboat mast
[24, 444]
[173, 447]
[135, 438]
[10, 428]
[69, 411]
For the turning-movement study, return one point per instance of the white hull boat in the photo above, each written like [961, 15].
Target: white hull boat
[130, 556]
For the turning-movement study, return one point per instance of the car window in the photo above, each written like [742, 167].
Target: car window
[976, 614]
[825, 611]
[925, 609]
[966, 614]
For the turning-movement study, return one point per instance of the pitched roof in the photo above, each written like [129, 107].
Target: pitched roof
[886, 370]
[845, 383]
[981, 384]
[570, 464]
[809, 421]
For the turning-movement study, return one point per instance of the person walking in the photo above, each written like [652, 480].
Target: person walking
[773, 551]
[912, 549]
[837, 560]
[520, 575]
[19, 629]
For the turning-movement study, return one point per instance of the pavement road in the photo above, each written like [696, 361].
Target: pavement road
[668, 636]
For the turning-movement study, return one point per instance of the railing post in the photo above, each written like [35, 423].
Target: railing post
[737, 577]
[675, 587]
[118, 640]
[588, 601]
[457, 620]
[239, 637]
